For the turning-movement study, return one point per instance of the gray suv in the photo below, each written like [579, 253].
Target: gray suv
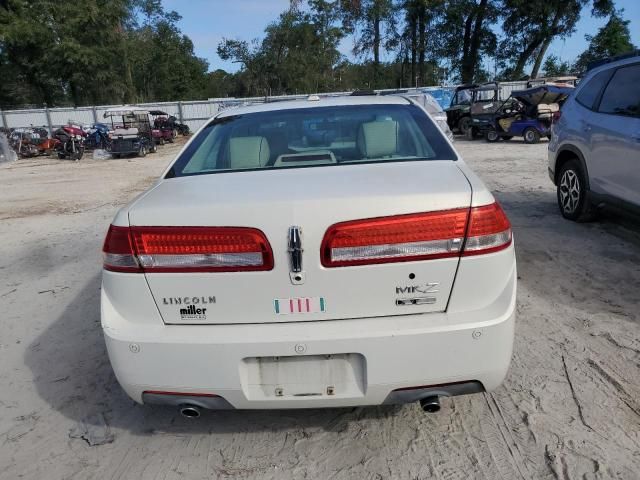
[594, 151]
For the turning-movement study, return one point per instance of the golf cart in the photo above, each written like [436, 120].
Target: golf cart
[526, 113]
[485, 101]
[458, 111]
[163, 131]
[131, 131]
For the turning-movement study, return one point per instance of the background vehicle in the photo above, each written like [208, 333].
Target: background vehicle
[526, 113]
[31, 141]
[181, 128]
[167, 131]
[98, 137]
[70, 142]
[442, 95]
[485, 100]
[594, 152]
[458, 112]
[434, 109]
[313, 253]
[131, 131]
[22, 141]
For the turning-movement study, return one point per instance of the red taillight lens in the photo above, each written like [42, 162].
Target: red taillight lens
[118, 251]
[555, 117]
[489, 230]
[399, 238]
[196, 249]
[421, 236]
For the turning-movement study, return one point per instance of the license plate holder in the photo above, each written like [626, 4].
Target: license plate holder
[305, 376]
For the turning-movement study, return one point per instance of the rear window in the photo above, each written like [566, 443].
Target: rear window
[310, 137]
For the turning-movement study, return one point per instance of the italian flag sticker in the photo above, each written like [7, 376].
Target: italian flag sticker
[287, 306]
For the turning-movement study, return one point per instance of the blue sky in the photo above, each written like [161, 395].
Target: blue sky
[206, 22]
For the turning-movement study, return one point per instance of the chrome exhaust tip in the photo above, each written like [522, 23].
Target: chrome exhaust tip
[430, 404]
[190, 411]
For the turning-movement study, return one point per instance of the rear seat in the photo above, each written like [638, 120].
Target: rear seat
[125, 132]
[546, 110]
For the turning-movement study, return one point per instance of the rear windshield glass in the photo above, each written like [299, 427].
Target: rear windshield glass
[310, 137]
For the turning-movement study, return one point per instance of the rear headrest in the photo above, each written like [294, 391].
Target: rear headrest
[548, 107]
[378, 139]
[248, 152]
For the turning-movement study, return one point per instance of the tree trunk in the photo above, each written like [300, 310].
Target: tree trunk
[465, 72]
[523, 58]
[376, 47]
[474, 48]
[539, 57]
[414, 48]
[545, 45]
[421, 41]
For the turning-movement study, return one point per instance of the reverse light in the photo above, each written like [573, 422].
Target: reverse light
[187, 249]
[422, 236]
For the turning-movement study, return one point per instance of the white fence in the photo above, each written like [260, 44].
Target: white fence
[190, 113]
[193, 113]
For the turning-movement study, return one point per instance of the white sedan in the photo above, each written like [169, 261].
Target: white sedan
[316, 253]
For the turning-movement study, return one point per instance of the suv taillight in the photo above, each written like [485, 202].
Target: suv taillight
[422, 236]
[186, 249]
[555, 117]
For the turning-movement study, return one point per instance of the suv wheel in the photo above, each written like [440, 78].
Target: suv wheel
[572, 193]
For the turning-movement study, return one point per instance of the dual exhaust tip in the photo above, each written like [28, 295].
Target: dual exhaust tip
[428, 404]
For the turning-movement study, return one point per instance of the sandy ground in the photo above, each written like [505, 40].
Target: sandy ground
[569, 409]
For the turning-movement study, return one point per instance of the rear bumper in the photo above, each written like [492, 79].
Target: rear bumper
[395, 353]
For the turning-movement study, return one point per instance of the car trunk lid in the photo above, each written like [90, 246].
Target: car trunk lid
[311, 199]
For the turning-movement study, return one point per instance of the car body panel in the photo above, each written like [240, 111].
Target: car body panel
[472, 342]
[313, 199]
[607, 145]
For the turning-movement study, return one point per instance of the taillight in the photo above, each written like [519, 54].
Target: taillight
[555, 117]
[422, 236]
[400, 238]
[118, 251]
[489, 230]
[190, 249]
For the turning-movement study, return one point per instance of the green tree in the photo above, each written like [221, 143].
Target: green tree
[554, 67]
[467, 34]
[80, 52]
[612, 39]
[531, 25]
[419, 43]
[373, 22]
[298, 54]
